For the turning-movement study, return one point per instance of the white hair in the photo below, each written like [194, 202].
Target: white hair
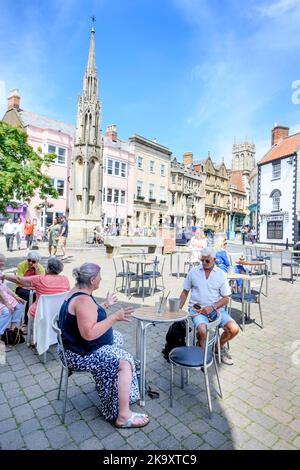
[208, 251]
[34, 255]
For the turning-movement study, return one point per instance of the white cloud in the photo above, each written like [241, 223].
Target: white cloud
[278, 8]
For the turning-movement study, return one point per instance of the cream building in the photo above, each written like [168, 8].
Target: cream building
[152, 170]
[217, 194]
[187, 193]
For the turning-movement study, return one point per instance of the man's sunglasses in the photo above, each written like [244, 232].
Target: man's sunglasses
[207, 261]
[31, 260]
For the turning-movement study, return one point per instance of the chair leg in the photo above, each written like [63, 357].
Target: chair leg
[207, 392]
[171, 385]
[182, 379]
[218, 378]
[243, 317]
[60, 381]
[65, 399]
[260, 312]
[45, 357]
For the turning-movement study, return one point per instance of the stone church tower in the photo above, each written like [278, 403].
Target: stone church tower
[87, 160]
[243, 157]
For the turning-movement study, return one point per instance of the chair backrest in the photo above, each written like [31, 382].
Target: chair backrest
[48, 307]
[212, 331]
[57, 330]
[257, 280]
[119, 265]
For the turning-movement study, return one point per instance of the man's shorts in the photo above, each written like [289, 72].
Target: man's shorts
[225, 318]
[62, 241]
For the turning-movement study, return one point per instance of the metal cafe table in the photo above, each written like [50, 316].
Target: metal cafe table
[147, 316]
[261, 264]
[141, 262]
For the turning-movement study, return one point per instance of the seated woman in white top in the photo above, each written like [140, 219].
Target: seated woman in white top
[196, 244]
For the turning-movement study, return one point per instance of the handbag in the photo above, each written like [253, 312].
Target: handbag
[13, 337]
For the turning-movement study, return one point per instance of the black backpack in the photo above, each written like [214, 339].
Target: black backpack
[175, 337]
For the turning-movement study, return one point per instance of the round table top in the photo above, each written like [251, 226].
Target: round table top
[250, 263]
[140, 260]
[150, 314]
[236, 276]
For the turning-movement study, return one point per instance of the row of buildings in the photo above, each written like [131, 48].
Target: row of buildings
[101, 178]
[140, 182]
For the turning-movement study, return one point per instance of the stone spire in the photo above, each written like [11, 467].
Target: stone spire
[91, 66]
[87, 161]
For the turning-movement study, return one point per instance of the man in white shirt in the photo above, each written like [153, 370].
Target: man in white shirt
[9, 230]
[210, 289]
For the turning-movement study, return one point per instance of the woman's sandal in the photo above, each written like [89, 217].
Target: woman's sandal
[130, 421]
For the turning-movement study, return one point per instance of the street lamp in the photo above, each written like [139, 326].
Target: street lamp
[228, 214]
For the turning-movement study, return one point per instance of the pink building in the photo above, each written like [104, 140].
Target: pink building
[50, 136]
[118, 181]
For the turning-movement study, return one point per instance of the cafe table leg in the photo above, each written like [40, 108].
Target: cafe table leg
[171, 263]
[178, 264]
[187, 335]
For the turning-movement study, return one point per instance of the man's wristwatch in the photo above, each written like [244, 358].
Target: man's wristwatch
[214, 306]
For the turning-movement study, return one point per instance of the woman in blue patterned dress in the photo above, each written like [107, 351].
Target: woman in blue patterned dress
[91, 345]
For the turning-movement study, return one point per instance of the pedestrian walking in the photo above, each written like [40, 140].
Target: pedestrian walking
[53, 233]
[253, 235]
[9, 230]
[19, 232]
[243, 232]
[28, 232]
[63, 235]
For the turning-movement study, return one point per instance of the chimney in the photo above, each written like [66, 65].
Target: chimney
[279, 133]
[187, 158]
[14, 100]
[111, 132]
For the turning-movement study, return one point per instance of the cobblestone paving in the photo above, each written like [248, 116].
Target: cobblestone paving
[260, 408]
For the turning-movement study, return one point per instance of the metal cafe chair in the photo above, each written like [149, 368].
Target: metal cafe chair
[194, 357]
[65, 369]
[249, 296]
[291, 260]
[121, 272]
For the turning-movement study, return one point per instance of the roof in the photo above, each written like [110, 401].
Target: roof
[236, 180]
[287, 146]
[32, 119]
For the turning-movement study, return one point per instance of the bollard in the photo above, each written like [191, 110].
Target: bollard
[287, 244]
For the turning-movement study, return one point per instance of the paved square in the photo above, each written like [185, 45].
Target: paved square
[260, 408]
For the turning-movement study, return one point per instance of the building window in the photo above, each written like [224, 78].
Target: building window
[139, 188]
[234, 202]
[116, 196]
[117, 168]
[109, 195]
[162, 193]
[109, 167]
[179, 179]
[103, 195]
[59, 185]
[145, 219]
[173, 179]
[275, 230]
[162, 170]
[173, 199]
[151, 191]
[60, 152]
[123, 170]
[275, 195]
[214, 199]
[151, 166]
[122, 197]
[140, 162]
[276, 170]
[61, 159]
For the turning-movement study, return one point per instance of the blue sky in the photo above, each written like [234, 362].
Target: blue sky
[194, 74]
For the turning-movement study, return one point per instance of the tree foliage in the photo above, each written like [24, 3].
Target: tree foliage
[21, 168]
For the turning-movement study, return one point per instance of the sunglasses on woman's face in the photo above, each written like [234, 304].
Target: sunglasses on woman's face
[31, 260]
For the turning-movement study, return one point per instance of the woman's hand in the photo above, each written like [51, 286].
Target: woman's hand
[21, 301]
[124, 314]
[111, 299]
[10, 307]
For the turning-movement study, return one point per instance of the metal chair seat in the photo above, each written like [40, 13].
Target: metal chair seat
[152, 273]
[189, 356]
[238, 297]
[125, 274]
